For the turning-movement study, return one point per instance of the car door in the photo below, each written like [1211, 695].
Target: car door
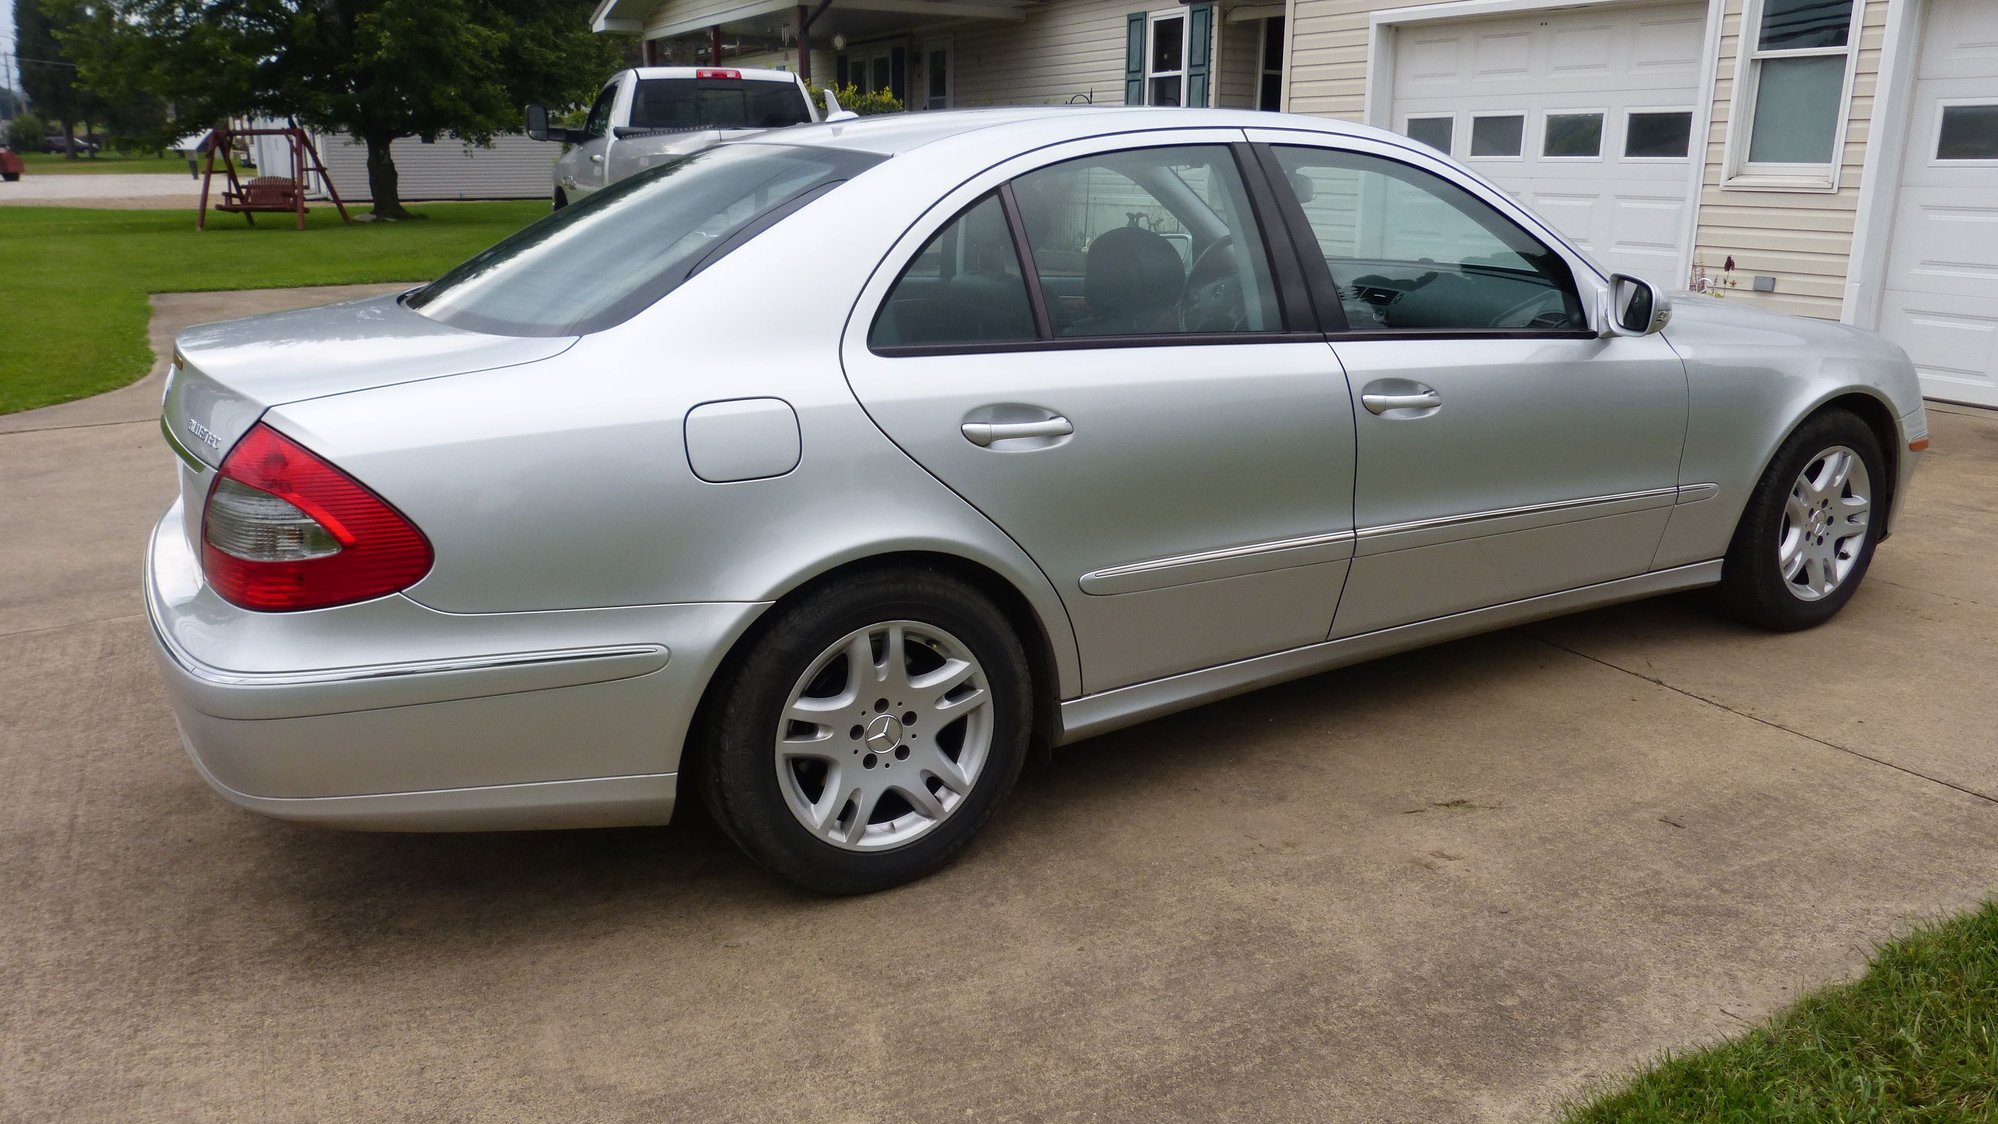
[1093, 347]
[1505, 449]
[581, 170]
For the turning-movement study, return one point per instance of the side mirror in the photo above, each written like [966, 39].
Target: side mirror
[1634, 307]
[537, 122]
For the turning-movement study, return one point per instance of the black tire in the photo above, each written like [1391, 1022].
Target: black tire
[738, 772]
[1753, 587]
[561, 201]
[10, 177]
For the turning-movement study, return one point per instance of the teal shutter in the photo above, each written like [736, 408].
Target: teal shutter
[1134, 59]
[1199, 49]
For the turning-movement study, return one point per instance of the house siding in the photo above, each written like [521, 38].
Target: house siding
[514, 168]
[1236, 73]
[1802, 239]
[1071, 50]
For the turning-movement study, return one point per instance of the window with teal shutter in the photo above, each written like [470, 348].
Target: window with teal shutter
[1199, 49]
[1134, 59]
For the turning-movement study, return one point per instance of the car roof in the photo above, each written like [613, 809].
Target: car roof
[896, 133]
[748, 74]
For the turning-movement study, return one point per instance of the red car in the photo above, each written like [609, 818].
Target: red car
[10, 164]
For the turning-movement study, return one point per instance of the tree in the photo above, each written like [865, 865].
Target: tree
[379, 69]
[48, 73]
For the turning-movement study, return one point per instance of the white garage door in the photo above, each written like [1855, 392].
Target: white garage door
[1586, 116]
[1941, 301]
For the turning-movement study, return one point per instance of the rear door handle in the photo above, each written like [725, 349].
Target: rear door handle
[1420, 400]
[984, 434]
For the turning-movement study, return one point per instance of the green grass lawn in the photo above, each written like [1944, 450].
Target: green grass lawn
[1914, 1039]
[73, 282]
[56, 164]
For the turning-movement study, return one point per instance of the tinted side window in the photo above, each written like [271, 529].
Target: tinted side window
[598, 122]
[964, 287]
[1147, 241]
[1411, 250]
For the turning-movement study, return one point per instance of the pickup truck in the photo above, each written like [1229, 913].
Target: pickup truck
[648, 115]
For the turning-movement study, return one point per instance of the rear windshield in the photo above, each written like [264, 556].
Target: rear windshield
[717, 103]
[597, 263]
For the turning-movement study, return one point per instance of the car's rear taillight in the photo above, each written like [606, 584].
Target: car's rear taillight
[283, 529]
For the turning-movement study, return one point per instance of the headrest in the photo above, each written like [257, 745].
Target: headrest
[1131, 270]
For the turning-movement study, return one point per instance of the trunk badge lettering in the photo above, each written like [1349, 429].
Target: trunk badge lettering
[202, 432]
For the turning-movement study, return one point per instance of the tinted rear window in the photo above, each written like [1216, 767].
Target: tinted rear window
[598, 262]
[716, 103]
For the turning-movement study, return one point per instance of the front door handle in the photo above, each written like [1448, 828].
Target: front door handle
[984, 434]
[1381, 403]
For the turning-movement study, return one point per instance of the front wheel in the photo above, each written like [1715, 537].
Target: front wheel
[870, 731]
[1807, 535]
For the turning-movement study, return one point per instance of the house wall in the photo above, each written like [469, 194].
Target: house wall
[1803, 239]
[1070, 50]
[822, 62]
[1236, 69]
[514, 168]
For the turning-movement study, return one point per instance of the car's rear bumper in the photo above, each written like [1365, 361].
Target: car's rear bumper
[390, 715]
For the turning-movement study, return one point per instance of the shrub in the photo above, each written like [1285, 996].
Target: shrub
[26, 133]
[851, 97]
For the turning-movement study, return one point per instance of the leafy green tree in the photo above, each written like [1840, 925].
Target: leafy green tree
[48, 73]
[379, 69]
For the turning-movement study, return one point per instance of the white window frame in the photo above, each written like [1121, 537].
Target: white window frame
[1263, 67]
[1692, 113]
[1526, 136]
[1739, 174]
[1152, 21]
[1602, 135]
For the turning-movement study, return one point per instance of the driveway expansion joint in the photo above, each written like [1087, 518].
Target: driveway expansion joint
[1986, 797]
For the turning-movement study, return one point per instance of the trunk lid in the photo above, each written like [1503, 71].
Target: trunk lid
[225, 375]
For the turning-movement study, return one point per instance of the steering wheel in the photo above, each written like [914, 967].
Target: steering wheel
[1535, 312]
[1214, 300]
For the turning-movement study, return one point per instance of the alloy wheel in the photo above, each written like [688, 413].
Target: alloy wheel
[884, 735]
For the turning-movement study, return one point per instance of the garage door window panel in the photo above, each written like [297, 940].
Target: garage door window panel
[1498, 136]
[1436, 132]
[1658, 134]
[1795, 79]
[1572, 136]
[1412, 253]
[1967, 132]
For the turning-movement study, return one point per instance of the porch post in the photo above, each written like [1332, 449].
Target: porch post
[714, 45]
[804, 45]
[648, 52]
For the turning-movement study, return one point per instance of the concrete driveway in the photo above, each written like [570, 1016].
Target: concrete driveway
[1461, 884]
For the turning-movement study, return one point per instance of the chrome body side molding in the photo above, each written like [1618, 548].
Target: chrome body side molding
[1110, 710]
[1228, 562]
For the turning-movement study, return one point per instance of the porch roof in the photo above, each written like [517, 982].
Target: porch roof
[665, 19]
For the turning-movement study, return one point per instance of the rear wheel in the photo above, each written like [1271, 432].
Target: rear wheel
[1807, 535]
[561, 201]
[870, 731]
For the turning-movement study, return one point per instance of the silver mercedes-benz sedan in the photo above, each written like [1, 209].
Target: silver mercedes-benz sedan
[819, 474]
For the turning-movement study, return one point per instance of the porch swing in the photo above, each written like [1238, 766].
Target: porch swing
[269, 194]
